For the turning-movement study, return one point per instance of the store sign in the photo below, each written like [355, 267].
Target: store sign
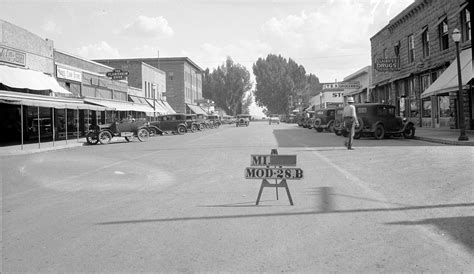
[65, 73]
[117, 74]
[349, 85]
[387, 64]
[12, 56]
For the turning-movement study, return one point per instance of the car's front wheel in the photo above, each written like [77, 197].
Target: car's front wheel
[379, 132]
[409, 133]
[92, 139]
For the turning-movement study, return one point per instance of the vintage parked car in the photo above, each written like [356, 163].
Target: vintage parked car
[125, 128]
[324, 119]
[192, 123]
[308, 120]
[176, 123]
[338, 121]
[380, 121]
[202, 121]
[273, 119]
[242, 120]
[215, 120]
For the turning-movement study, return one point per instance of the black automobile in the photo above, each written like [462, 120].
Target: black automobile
[324, 119]
[125, 128]
[242, 120]
[215, 120]
[175, 123]
[192, 123]
[380, 121]
[202, 121]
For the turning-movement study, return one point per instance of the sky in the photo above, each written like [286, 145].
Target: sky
[329, 38]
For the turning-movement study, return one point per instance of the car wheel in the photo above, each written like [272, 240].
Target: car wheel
[357, 135]
[409, 133]
[143, 135]
[194, 128]
[181, 130]
[92, 139]
[201, 127]
[319, 129]
[361, 125]
[379, 132]
[345, 133]
[337, 132]
[105, 137]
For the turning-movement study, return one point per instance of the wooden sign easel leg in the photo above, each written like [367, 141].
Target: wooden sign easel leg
[283, 183]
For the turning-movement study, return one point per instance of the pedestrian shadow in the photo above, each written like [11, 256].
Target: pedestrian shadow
[460, 229]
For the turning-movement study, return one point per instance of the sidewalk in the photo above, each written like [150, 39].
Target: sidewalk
[44, 146]
[444, 136]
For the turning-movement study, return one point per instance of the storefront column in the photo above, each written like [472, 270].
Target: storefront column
[21, 118]
[65, 115]
[52, 121]
[39, 122]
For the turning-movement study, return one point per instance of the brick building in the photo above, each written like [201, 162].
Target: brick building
[183, 80]
[413, 51]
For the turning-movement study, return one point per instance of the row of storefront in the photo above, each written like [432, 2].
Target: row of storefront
[47, 93]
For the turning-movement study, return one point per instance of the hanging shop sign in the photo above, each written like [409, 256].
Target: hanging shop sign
[117, 74]
[387, 64]
[11, 56]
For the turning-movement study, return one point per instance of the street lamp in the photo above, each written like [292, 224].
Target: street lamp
[462, 137]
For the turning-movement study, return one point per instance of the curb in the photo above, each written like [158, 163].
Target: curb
[11, 152]
[443, 141]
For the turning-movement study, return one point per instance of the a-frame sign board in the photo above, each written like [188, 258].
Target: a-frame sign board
[272, 166]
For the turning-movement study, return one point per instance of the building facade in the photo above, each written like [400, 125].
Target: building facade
[363, 77]
[147, 78]
[412, 52]
[183, 80]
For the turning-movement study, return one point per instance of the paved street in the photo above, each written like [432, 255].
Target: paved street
[182, 204]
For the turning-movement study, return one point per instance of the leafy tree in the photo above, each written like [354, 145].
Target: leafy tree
[227, 86]
[278, 79]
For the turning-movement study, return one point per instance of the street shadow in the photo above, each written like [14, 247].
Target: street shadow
[282, 214]
[460, 229]
[303, 137]
[246, 204]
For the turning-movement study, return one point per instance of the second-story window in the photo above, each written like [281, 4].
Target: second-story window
[384, 56]
[425, 42]
[396, 49]
[411, 49]
[443, 35]
[466, 25]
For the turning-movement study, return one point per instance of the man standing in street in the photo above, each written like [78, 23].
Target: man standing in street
[350, 121]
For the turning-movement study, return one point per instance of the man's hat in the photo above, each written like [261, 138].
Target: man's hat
[350, 99]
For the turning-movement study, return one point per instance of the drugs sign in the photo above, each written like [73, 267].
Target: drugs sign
[274, 173]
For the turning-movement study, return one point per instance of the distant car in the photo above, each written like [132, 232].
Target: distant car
[215, 119]
[308, 121]
[324, 119]
[242, 120]
[380, 121]
[191, 121]
[274, 119]
[125, 128]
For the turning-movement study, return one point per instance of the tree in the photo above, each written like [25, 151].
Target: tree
[227, 86]
[277, 80]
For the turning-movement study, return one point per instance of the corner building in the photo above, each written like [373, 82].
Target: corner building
[414, 63]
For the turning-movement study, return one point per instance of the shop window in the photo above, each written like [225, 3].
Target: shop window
[411, 48]
[466, 25]
[425, 81]
[444, 106]
[443, 35]
[426, 113]
[171, 76]
[38, 120]
[425, 42]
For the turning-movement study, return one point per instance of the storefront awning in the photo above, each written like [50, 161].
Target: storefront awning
[119, 105]
[357, 91]
[196, 109]
[18, 98]
[448, 80]
[19, 78]
[168, 107]
[159, 108]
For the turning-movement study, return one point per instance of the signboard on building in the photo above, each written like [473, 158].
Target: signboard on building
[349, 85]
[12, 56]
[387, 64]
[117, 74]
[68, 74]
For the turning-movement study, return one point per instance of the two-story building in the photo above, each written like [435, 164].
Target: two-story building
[362, 77]
[414, 51]
[183, 81]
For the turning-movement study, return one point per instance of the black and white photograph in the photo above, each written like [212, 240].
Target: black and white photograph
[236, 136]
